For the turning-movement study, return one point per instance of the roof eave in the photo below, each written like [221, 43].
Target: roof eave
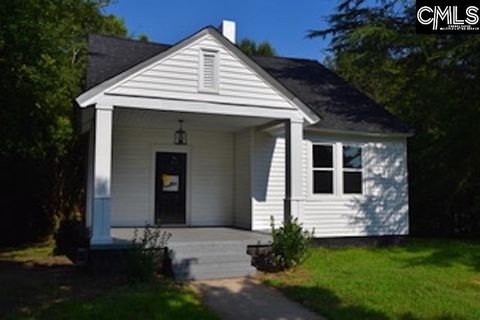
[362, 133]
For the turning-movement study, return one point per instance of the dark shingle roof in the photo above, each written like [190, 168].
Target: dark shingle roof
[109, 56]
[340, 106]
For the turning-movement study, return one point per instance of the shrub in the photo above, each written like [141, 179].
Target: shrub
[71, 236]
[147, 254]
[290, 243]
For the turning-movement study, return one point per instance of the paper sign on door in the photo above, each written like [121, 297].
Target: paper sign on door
[170, 183]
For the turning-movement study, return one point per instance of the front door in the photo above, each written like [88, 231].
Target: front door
[170, 187]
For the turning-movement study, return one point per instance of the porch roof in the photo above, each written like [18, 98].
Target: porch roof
[340, 106]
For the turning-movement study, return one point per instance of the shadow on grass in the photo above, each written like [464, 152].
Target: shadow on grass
[42, 282]
[327, 303]
[156, 300]
[52, 288]
[442, 253]
[409, 316]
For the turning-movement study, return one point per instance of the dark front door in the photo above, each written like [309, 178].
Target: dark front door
[170, 187]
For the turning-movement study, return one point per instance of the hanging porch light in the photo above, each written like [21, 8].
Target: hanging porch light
[180, 137]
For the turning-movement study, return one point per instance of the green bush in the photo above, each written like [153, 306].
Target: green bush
[148, 253]
[290, 243]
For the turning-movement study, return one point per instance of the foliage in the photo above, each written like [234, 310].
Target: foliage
[430, 81]
[148, 253]
[142, 37]
[27, 253]
[251, 48]
[42, 63]
[425, 279]
[290, 243]
[70, 236]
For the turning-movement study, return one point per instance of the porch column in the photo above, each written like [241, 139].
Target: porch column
[294, 174]
[102, 171]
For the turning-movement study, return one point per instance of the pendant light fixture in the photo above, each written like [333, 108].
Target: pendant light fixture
[180, 137]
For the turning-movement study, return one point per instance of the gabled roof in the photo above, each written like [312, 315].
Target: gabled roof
[340, 106]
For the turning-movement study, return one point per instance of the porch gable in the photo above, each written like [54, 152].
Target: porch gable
[179, 74]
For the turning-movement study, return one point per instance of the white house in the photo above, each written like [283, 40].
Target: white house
[265, 136]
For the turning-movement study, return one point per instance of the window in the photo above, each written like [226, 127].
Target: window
[208, 77]
[352, 170]
[323, 169]
[337, 169]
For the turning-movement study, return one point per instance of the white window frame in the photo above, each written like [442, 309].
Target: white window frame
[361, 170]
[337, 170]
[312, 169]
[216, 71]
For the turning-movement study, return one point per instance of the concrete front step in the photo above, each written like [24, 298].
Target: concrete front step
[210, 260]
[214, 271]
[209, 247]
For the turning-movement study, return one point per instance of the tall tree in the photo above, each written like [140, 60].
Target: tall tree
[142, 37]
[252, 48]
[432, 82]
[42, 63]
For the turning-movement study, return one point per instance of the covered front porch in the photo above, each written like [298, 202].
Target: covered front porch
[131, 112]
[218, 182]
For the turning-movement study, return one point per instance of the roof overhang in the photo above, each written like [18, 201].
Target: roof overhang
[93, 95]
[361, 133]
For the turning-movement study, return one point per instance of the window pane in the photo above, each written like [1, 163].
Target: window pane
[352, 182]
[322, 182]
[352, 157]
[322, 156]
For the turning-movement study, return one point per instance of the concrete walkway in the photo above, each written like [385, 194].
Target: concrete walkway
[244, 298]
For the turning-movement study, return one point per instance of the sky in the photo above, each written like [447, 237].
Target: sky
[284, 23]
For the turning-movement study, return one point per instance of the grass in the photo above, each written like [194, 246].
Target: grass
[424, 279]
[159, 300]
[34, 284]
[38, 252]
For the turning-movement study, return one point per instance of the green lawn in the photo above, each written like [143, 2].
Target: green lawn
[160, 300]
[36, 285]
[424, 279]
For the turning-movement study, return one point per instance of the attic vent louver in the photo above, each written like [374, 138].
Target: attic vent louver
[208, 66]
[208, 71]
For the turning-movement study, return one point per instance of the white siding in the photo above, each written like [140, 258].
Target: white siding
[177, 76]
[210, 177]
[382, 210]
[268, 180]
[243, 169]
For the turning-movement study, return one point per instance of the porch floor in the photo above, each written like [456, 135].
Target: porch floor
[199, 234]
